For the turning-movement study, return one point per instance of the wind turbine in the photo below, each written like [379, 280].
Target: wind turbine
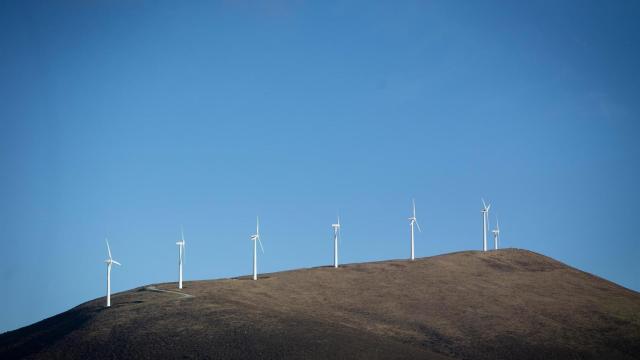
[256, 239]
[485, 220]
[496, 234]
[336, 233]
[413, 220]
[181, 244]
[109, 262]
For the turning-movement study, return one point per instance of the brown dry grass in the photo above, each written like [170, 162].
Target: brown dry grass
[506, 304]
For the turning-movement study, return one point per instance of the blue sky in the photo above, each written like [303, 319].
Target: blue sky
[128, 119]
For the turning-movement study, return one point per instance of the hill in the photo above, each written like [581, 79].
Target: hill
[506, 304]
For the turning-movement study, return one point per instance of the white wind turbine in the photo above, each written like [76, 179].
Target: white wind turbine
[181, 244]
[109, 262]
[485, 221]
[496, 234]
[336, 234]
[256, 239]
[413, 220]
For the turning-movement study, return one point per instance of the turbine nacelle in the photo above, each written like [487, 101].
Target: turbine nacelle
[181, 241]
[336, 225]
[256, 238]
[413, 219]
[485, 207]
[110, 260]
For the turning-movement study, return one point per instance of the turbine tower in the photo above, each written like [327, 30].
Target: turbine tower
[485, 221]
[109, 262]
[180, 244]
[496, 234]
[256, 239]
[413, 220]
[336, 233]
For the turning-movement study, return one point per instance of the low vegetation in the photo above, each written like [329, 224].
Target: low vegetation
[506, 304]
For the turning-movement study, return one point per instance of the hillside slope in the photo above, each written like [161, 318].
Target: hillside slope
[506, 304]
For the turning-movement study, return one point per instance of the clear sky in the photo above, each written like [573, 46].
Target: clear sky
[127, 119]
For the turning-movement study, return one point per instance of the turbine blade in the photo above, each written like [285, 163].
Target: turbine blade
[484, 204]
[108, 248]
[115, 262]
[418, 225]
[414, 207]
[257, 225]
[182, 232]
[260, 242]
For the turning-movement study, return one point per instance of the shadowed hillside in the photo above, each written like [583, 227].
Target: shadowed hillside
[506, 304]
